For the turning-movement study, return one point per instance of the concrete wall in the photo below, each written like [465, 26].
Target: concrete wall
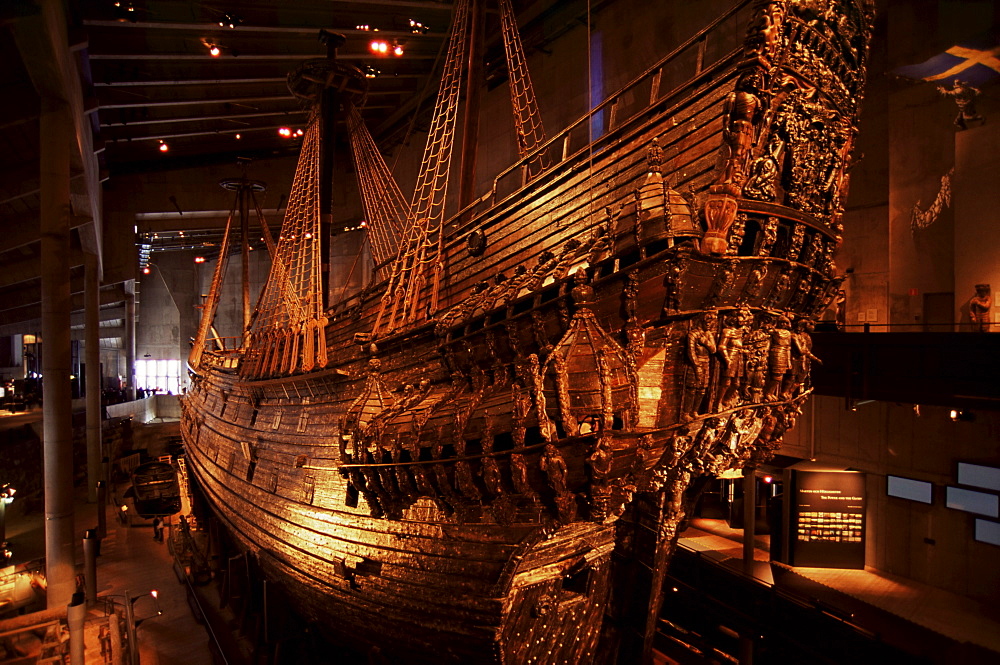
[157, 331]
[147, 409]
[229, 315]
[929, 543]
[977, 200]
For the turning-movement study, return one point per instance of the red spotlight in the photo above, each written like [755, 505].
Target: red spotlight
[199, 259]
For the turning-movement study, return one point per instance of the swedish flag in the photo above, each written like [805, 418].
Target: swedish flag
[975, 61]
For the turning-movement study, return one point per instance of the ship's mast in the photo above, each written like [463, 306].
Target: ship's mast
[329, 113]
[473, 101]
[245, 196]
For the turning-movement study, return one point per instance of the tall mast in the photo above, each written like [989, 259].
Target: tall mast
[473, 101]
[329, 113]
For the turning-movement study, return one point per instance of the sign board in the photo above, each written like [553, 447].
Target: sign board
[827, 519]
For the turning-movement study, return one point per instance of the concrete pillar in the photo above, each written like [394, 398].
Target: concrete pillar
[76, 615]
[56, 136]
[749, 517]
[749, 533]
[92, 354]
[102, 503]
[130, 345]
[91, 544]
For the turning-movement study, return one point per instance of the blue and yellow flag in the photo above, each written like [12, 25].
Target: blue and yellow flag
[975, 61]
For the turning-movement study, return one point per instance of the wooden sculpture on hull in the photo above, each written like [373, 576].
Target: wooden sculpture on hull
[453, 455]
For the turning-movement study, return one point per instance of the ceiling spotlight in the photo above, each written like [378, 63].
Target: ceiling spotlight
[125, 11]
[164, 147]
[370, 72]
[965, 416]
[299, 132]
[214, 50]
[238, 136]
[285, 131]
[397, 50]
[364, 27]
[199, 259]
[378, 46]
[145, 271]
[417, 28]
[230, 21]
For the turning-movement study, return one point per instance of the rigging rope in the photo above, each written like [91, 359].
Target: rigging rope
[527, 119]
[419, 261]
[212, 303]
[385, 206]
[287, 332]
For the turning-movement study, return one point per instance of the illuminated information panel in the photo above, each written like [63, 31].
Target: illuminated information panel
[828, 519]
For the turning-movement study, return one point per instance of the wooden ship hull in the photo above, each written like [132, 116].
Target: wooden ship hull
[616, 325]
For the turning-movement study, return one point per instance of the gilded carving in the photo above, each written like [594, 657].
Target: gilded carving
[753, 284]
[779, 358]
[736, 233]
[733, 357]
[756, 346]
[802, 356]
[700, 347]
[767, 237]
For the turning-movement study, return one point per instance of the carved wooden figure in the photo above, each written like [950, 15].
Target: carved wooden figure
[779, 358]
[979, 308]
[700, 348]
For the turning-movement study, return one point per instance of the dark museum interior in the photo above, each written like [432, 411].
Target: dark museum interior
[694, 361]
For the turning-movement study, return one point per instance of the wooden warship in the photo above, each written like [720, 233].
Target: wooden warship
[446, 458]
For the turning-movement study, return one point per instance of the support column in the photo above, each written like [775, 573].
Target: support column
[749, 533]
[60, 566]
[130, 346]
[749, 517]
[92, 355]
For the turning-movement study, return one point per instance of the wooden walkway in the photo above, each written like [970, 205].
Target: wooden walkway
[952, 615]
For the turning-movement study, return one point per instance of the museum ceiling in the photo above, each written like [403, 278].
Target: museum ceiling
[156, 85]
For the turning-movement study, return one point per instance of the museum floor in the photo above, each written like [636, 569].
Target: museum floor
[948, 614]
[133, 563]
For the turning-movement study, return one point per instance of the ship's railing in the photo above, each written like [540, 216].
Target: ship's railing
[714, 48]
[223, 344]
[223, 352]
[704, 56]
[222, 359]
